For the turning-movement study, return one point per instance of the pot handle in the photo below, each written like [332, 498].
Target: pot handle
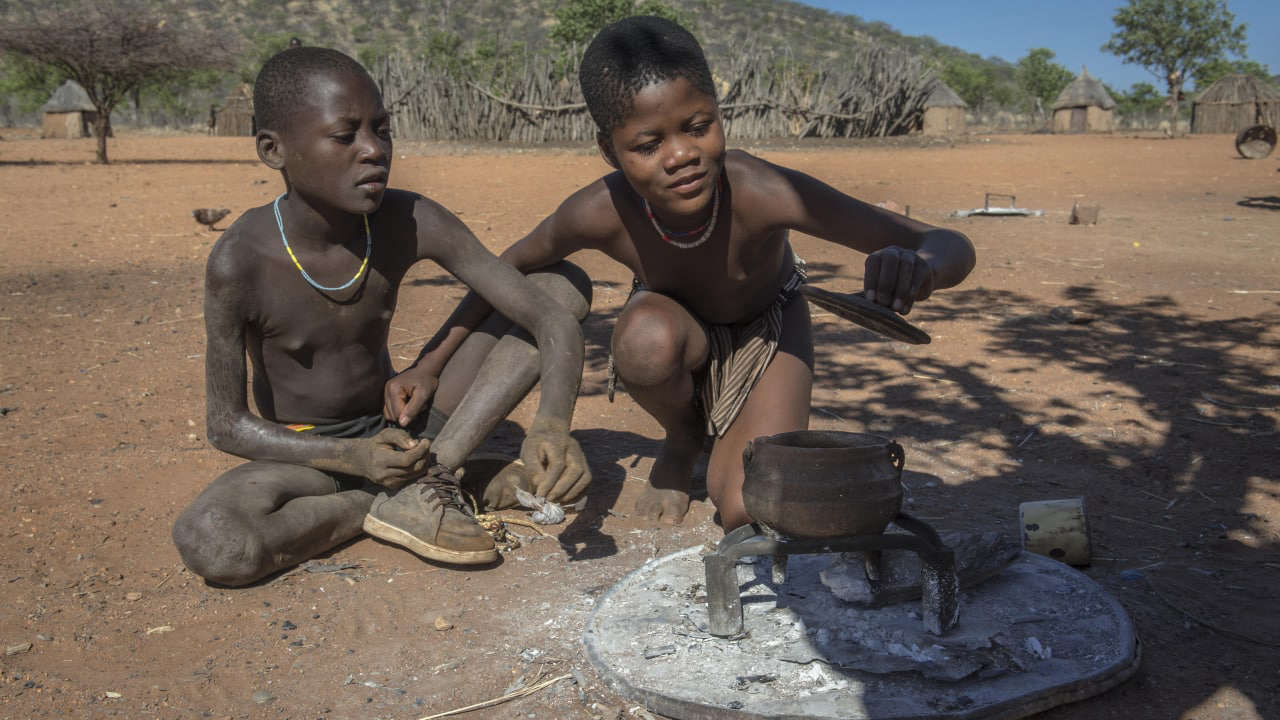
[897, 457]
[747, 452]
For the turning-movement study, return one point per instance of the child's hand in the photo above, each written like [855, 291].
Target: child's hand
[562, 472]
[393, 458]
[404, 395]
[897, 277]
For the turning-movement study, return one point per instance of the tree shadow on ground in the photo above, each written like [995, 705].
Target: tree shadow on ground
[1172, 489]
[133, 161]
[1262, 202]
[606, 452]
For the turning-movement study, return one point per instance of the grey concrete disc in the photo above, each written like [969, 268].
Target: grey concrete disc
[1037, 635]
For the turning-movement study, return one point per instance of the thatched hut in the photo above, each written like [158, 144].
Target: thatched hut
[1235, 102]
[1084, 106]
[69, 113]
[235, 117]
[944, 111]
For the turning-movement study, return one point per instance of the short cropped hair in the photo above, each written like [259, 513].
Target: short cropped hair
[631, 54]
[282, 82]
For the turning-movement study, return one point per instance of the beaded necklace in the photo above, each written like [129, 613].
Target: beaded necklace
[672, 236]
[368, 250]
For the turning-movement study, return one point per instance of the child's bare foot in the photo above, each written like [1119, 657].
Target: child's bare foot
[667, 497]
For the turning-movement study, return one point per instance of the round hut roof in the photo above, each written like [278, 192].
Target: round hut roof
[943, 96]
[68, 98]
[1239, 89]
[1084, 91]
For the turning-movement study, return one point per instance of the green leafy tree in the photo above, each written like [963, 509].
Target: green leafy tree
[180, 97]
[1209, 73]
[577, 21]
[1173, 39]
[1041, 78]
[112, 48]
[26, 83]
[1141, 100]
[973, 83]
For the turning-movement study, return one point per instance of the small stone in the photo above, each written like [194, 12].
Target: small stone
[288, 625]
[112, 695]
[17, 649]
[262, 697]
[133, 596]
[441, 624]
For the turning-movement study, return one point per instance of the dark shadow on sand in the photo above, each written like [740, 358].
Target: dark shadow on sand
[1205, 437]
[1264, 202]
[140, 161]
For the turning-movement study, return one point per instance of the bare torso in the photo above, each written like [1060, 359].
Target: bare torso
[321, 357]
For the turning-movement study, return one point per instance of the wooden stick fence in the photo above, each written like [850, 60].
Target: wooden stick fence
[876, 91]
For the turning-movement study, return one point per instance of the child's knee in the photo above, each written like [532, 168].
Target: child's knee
[568, 285]
[648, 348]
[216, 545]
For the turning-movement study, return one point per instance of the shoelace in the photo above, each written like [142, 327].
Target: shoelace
[441, 481]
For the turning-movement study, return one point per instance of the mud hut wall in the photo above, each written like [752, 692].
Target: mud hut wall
[1231, 118]
[235, 118]
[763, 95]
[1062, 120]
[75, 124]
[1096, 119]
[1099, 120]
[944, 120]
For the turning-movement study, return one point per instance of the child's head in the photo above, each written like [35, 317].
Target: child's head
[631, 54]
[650, 92]
[321, 122]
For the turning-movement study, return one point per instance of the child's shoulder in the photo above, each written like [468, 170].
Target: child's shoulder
[751, 171]
[593, 209]
[761, 189]
[241, 245]
[408, 208]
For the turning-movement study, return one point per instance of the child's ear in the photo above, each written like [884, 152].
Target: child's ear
[606, 150]
[270, 151]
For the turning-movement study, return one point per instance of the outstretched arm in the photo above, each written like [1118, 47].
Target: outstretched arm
[447, 241]
[392, 458]
[551, 241]
[907, 259]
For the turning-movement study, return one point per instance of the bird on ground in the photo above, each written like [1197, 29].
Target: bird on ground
[209, 216]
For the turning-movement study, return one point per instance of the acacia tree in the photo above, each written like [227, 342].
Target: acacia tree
[111, 48]
[1175, 38]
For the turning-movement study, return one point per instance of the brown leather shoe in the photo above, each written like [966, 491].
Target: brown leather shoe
[493, 479]
[430, 518]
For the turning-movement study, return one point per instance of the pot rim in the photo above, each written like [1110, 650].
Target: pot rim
[791, 440]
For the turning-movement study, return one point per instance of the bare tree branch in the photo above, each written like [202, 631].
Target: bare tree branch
[110, 48]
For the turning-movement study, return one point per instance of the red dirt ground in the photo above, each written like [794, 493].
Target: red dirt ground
[1161, 412]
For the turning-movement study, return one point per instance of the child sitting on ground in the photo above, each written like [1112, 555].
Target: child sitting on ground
[307, 286]
[715, 338]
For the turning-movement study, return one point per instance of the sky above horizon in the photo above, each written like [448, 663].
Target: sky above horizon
[1075, 32]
